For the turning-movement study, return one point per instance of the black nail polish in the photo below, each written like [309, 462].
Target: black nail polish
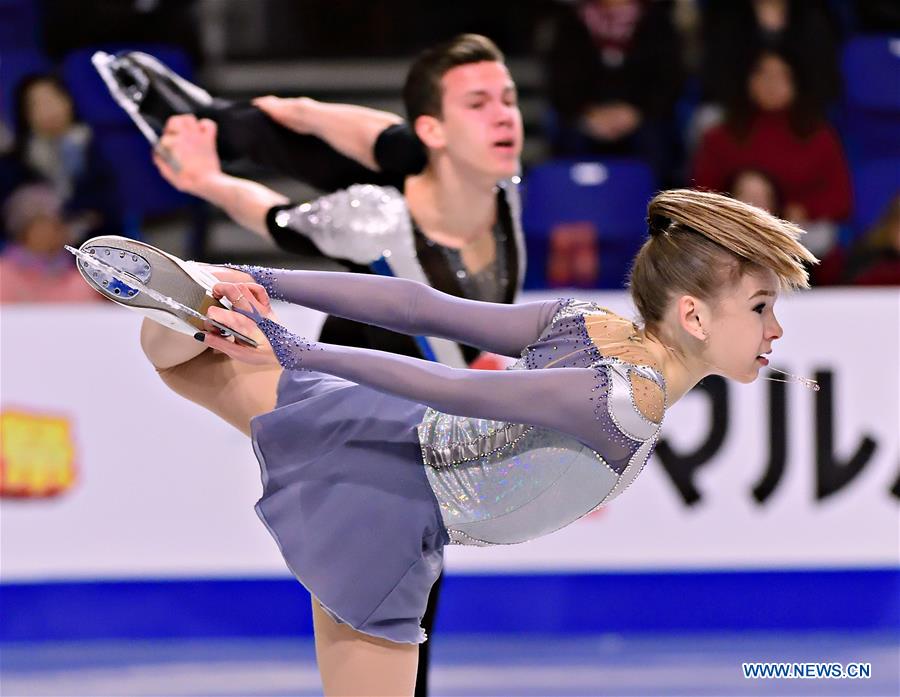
[200, 336]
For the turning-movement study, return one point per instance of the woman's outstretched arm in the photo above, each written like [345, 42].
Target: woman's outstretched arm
[411, 308]
[557, 398]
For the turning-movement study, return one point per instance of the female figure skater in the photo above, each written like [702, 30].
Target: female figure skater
[447, 211]
[372, 462]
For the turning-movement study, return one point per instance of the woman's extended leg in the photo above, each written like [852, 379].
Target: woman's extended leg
[234, 391]
[353, 663]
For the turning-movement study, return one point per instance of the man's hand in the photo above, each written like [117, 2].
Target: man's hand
[290, 112]
[192, 144]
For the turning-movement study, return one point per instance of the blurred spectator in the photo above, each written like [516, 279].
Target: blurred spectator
[757, 188]
[873, 260]
[53, 146]
[34, 267]
[772, 127]
[613, 74]
[736, 31]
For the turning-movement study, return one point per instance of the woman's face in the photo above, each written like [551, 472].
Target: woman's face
[742, 327]
[48, 110]
[771, 84]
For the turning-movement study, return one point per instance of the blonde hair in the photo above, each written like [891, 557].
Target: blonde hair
[701, 241]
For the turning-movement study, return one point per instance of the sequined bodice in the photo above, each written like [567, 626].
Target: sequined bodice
[501, 483]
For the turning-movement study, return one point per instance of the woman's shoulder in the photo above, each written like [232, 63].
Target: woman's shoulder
[618, 350]
[621, 345]
[616, 336]
[572, 308]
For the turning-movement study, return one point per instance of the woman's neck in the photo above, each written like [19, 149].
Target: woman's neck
[680, 370]
[450, 209]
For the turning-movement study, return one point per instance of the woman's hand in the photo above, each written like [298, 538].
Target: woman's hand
[226, 274]
[186, 153]
[251, 298]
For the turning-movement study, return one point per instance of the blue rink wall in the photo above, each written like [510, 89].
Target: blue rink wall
[807, 600]
[765, 507]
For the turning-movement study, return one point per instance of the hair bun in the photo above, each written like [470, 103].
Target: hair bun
[658, 224]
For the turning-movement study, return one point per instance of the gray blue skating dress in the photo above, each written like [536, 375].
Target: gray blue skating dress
[371, 462]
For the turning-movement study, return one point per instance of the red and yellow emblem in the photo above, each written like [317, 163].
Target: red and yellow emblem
[37, 454]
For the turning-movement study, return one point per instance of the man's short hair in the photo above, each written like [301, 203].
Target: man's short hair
[422, 93]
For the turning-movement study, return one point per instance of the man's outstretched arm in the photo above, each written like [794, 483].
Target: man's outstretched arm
[350, 129]
[192, 144]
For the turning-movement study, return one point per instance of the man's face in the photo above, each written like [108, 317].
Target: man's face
[480, 121]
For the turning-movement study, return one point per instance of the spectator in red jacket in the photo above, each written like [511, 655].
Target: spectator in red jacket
[773, 128]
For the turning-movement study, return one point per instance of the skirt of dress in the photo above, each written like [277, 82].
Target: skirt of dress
[346, 498]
